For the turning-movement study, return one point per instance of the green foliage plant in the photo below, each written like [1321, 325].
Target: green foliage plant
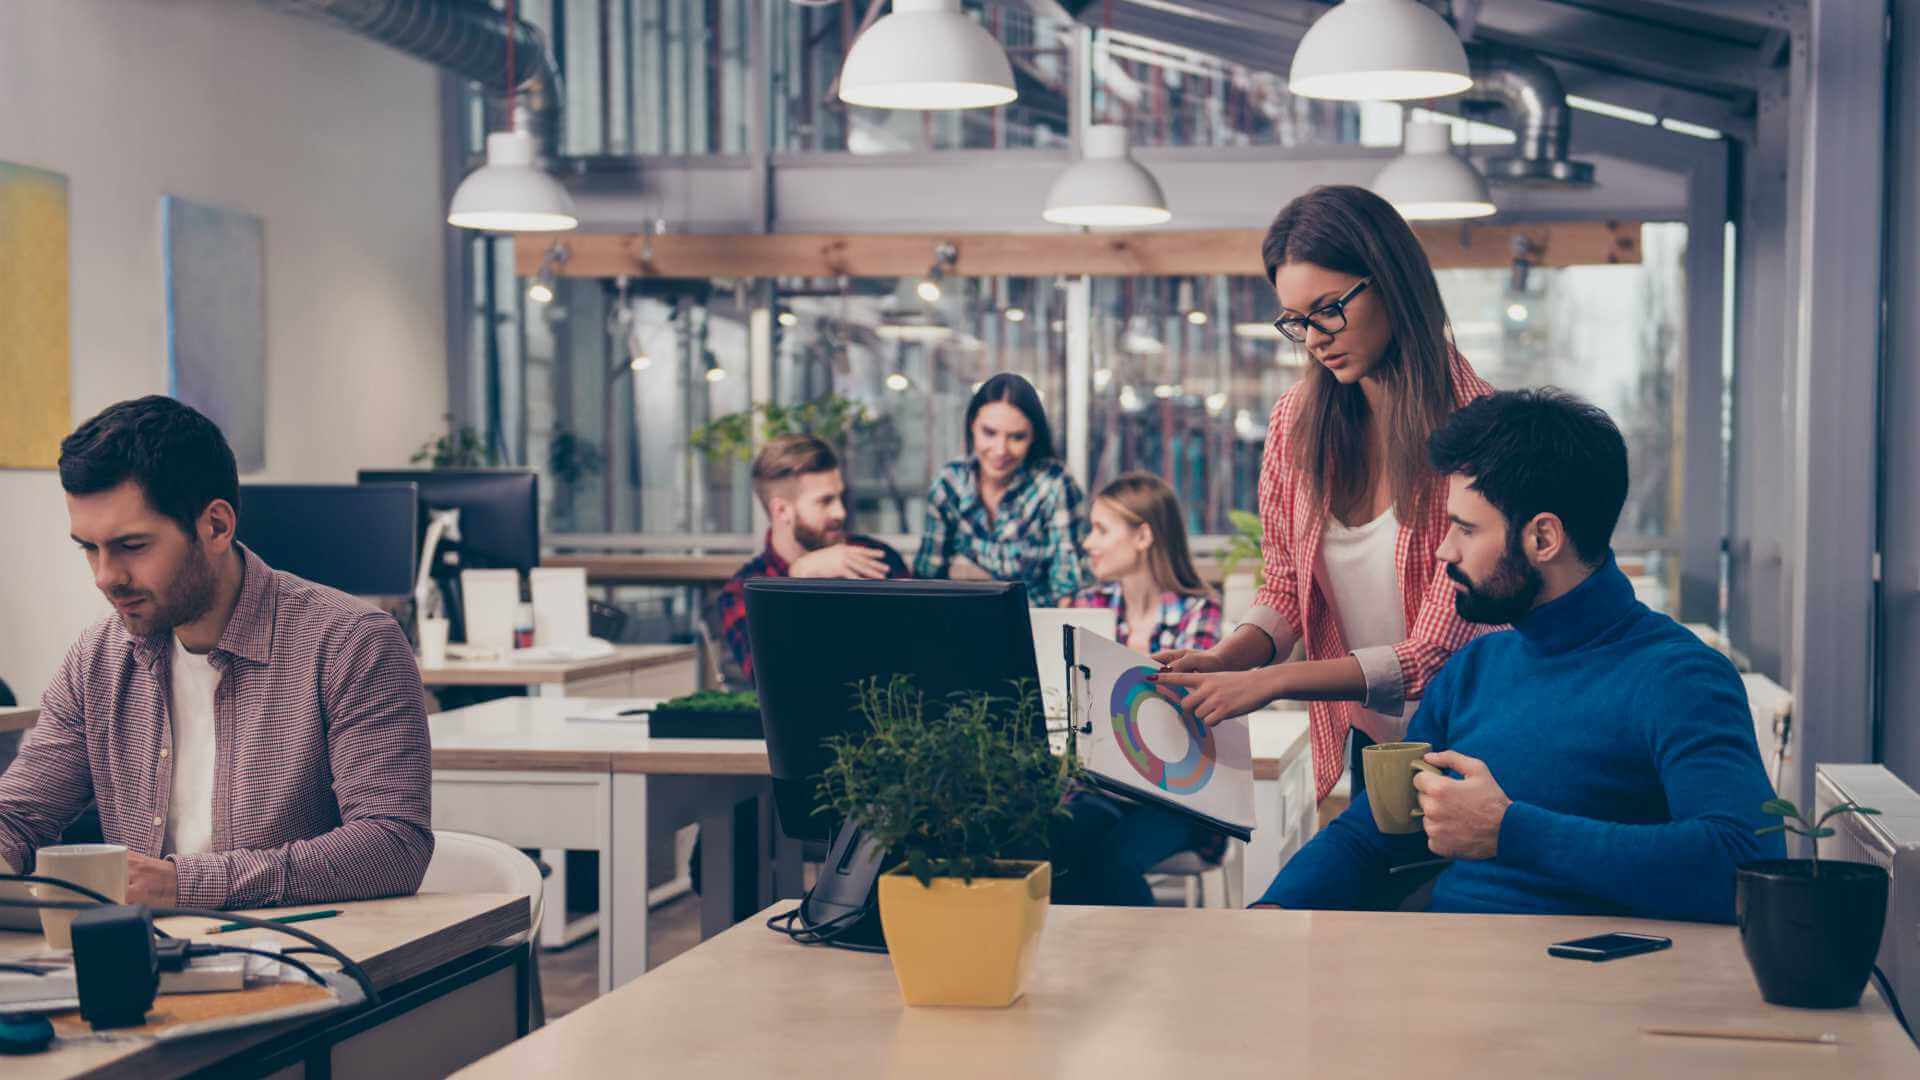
[1812, 830]
[1243, 545]
[955, 788]
[459, 448]
[832, 418]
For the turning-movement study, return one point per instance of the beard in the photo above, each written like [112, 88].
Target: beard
[812, 539]
[187, 597]
[1506, 596]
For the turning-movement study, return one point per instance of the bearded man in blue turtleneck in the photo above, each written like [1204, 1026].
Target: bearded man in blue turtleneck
[1600, 758]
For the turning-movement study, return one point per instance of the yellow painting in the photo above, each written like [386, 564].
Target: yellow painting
[35, 391]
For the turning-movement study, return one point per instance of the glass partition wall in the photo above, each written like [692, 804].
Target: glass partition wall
[606, 385]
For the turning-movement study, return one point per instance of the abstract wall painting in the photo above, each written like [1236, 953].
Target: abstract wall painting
[36, 401]
[216, 320]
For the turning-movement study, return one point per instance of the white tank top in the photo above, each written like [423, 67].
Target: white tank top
[1357, 572]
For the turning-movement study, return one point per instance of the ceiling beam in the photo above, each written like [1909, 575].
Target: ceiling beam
[1155, 253]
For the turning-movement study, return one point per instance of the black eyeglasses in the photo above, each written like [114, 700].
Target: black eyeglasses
[1329, 319]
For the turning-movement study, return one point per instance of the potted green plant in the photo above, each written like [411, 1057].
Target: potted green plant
[1810, 927]
[964, 793]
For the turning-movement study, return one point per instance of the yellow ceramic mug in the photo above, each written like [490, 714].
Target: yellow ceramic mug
[1390, 768]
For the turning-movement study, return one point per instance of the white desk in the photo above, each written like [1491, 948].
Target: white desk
[518, 770]
[662, 671]
[632, 671]
[18, 719]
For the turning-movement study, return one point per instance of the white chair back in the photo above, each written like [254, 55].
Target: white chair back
[463, 862]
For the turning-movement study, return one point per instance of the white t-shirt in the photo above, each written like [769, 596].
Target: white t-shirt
[190, 811]
[1358, 573]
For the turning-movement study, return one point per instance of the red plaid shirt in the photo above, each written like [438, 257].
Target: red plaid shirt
[1291, 605]
[731, 603]
[323, 773]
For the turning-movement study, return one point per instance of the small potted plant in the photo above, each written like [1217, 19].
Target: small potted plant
[1810, 927]
[964, 793]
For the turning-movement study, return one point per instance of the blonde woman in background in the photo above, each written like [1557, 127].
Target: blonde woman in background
[1137, 547]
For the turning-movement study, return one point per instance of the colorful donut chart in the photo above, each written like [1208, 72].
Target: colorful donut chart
[1184, 777]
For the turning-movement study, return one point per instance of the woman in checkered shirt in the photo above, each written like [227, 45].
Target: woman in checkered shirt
[1008, 510]
[1138, 550]
[1352, 510]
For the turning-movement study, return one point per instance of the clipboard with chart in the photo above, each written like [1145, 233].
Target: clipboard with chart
[1136, 742]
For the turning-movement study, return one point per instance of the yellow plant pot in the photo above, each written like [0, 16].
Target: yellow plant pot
[958, 944]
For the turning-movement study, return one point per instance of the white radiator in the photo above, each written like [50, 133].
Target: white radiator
[1891, 840]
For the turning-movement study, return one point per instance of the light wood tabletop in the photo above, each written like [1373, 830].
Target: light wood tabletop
[394, 940]
[18, 719]
[1206, 992]
[625, 658]
[537, 734]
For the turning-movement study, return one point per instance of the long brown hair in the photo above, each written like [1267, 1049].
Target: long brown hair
[1350, 230]
[1145, 499]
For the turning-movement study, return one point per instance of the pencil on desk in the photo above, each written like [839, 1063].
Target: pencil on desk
[1824, 1038]
[305, 916]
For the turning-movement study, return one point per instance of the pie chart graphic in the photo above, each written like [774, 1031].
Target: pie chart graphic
[1132, 693]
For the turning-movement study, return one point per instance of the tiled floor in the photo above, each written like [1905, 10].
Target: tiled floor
[570, 977]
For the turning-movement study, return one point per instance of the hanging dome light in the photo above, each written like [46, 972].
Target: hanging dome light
[926, 54]
[1427, 182]
[1106, 187]
[511, 193]
[1379, 50]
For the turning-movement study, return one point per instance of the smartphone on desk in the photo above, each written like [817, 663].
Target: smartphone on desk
[1609, 946]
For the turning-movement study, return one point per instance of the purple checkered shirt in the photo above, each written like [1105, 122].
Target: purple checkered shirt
[323, 771]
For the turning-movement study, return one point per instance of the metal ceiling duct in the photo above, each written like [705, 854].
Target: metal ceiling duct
[466, 37]
[1531, 92]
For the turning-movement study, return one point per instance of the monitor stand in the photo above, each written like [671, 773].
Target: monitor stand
[844, 894]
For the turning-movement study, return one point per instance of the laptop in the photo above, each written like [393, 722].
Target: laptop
[1049, 649]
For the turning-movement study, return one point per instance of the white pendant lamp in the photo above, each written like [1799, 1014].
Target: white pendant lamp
[1106, 187]
[511, 192]
[1427, 182]
[926, 54]
[1379, 50]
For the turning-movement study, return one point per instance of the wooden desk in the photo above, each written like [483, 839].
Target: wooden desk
[429, 950]
[662, 671]
[17, 719]
[1122, 993]
[518, 770]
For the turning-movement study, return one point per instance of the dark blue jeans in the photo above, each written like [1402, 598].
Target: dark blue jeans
[1111, 845]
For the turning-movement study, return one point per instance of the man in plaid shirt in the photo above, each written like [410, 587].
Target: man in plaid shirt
[253, 739]
[797, 478]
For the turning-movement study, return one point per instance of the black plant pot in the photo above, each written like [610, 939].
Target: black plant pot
[1811, 940]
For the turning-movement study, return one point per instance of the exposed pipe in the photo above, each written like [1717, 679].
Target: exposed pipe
[466, 37]
[1530, 90]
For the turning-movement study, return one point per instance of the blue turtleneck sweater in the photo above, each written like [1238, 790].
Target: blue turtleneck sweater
[1626, 745]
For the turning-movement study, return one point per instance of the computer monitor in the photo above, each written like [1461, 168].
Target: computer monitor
[499, 511]
[358, 538]
[813, 639]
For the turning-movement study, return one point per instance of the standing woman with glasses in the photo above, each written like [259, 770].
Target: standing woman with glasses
[1008, 510]
[1351, 508]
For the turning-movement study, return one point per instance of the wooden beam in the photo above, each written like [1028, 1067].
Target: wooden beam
[1128, 254]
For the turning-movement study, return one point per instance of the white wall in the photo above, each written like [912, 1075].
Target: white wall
[332, 140]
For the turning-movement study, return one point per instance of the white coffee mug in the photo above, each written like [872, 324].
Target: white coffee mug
[100, 867]
[433, 641]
